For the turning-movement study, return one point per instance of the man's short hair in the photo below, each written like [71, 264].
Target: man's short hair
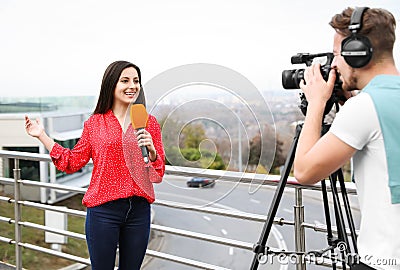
[378, 25]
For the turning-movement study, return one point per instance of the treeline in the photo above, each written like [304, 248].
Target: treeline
[188, 145]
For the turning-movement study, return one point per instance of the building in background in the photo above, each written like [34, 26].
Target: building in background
[62, 124]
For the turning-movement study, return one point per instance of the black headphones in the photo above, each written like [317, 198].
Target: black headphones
[356, 49]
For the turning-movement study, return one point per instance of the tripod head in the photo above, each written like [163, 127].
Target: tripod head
[333, 100]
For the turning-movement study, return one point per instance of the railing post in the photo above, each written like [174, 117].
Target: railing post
[17, 214]
[299, 229]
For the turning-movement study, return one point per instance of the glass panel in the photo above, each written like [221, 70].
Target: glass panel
[29, 169]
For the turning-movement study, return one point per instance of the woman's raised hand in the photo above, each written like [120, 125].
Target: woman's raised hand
[33, 128]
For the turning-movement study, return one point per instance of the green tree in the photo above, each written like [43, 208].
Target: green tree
[280, 158]
[255, 150]
[267, 150]
[192, 135]
[188, 153]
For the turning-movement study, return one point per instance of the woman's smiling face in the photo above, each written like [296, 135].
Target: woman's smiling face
[128, 87]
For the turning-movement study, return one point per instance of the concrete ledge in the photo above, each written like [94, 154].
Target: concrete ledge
[6, 266]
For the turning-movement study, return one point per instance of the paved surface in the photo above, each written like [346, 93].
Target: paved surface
[6, 266]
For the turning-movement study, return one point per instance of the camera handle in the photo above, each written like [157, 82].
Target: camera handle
[260, 247]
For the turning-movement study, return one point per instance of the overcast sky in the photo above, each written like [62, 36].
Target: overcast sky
[51, 47]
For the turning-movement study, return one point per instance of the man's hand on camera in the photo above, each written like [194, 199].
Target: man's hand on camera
[315, 88]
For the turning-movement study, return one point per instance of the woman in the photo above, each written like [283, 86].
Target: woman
[120, 192]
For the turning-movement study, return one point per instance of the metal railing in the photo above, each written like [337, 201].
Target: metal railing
[17, 182]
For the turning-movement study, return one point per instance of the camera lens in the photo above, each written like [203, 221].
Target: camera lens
[291, 78]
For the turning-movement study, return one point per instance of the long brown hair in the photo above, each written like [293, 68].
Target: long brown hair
[110, 80]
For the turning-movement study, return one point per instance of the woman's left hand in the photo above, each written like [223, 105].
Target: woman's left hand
[144, 139]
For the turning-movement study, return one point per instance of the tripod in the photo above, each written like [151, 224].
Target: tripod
[260, 247]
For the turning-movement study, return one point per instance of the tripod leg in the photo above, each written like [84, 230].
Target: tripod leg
[349, 215]
[260, 247]
[342, 234]
[328, 221]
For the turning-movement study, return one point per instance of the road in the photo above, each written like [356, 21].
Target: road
[234, 196]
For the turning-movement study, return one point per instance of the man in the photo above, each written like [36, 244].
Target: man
[367, 128]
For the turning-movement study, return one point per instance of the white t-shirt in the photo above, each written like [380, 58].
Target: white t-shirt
[357, 125]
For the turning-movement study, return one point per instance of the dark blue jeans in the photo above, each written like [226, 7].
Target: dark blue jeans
[124, 223]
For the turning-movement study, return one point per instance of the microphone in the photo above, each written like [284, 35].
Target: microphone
[139, 118]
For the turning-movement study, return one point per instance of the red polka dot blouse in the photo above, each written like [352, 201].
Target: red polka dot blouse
[118, 167]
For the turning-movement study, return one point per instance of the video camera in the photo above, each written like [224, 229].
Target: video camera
[291, 78]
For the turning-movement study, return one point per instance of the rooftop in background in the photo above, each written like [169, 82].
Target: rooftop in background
[62, 104]
[18, 107]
